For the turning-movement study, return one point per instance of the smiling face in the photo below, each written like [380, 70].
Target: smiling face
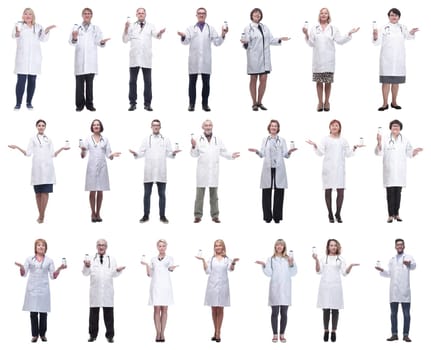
[207, 126]
[28, 16]
[256, 16]
[87, 15]
[273, 128]
[40, 248]
[395, 130]
[393, 17]
[155, 126]
[161, 247]
[219, 247]
[279, 248]
[101, 246]
[41, 126]
[201, 15]
[335, 128]
[399, 247]
[95, 127]
[324, 16]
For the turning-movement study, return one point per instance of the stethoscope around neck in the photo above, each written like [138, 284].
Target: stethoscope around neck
[196, 28]
[107, 256]
[202, 138]
[277, 140]
[336, 260]
[161, 136]
[392, 140]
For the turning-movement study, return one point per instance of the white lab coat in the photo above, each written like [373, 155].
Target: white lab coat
[42, 169]
[273, 157]
[280, 285]
[322, 42]
[140, 54]
[101, 280]
[330, 288]
[209, 153]
[335, 150]
[28, 59]
[155, 149]
[399, 273]
[161, 288]
[37, 294]
[217, 293]
[200, 47]
[393, 51]
[86, 49]
[258, 48]
[97, 178]
[395, 153]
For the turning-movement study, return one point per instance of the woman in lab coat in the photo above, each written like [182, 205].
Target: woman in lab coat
[321, 38]
[37, 295]
[97, 179]
[392, 56]
[330, 297]
[161, 295]
[42, 170]
[280, 267]
[28, 59]
[335, 149]
[217, 293]
[395, 149]
[257, 39]
[273, 150]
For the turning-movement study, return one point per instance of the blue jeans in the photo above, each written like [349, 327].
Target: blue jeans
[20, 87]
[161, 188]
[394, 318]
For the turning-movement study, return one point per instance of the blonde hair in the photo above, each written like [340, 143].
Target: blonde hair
[40, 240]
[161, 241]
[28, 9]
[329, 15]
[282, 242]
[336, 243]
[222, 243]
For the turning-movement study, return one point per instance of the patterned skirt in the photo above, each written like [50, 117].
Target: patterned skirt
[326, 77]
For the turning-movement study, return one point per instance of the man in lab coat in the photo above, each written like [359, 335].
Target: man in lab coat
[101, 269]
[155, 148]
[86, 38]
[399, 272]
[140, 34]
[200, 36]
[208, 149]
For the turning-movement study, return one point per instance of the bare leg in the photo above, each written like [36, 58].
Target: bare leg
[157, 322]
[319, 88]
[253, 84]
[214, 316]
[93, 204]
[394, 91]
[99, 199]
[328, 87]
[163, 320]
[385, 93]
[39, 206]
[43, 203]
[220, 314]
[262, 87]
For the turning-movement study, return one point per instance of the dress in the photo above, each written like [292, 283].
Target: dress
[217, 293]
[280, 286]
[42, 150]
[335, 150]
[330, 288]
[97, 178]
[37, 294]
[161, 287]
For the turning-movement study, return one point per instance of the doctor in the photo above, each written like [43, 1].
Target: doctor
[200, 36]
[155, 148]
[28, 60]
[399, 291]
[273, 150]
[208, 149]
[140, 35]
[392, 56]
[395, 150]
[86, 37]
[101, 269]
[321, 38]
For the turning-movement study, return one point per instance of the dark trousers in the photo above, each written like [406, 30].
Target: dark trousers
[38, 323]
[326, 317]
[205, 88]
[282, 309]
[84, 85]
[394, 318]
[393, 196]
[148, 95]
[161, 188]
[275, 212]
[20, 87]
[108, 318]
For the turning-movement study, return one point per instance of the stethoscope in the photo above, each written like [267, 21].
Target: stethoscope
[100, 141]
[202, 138]
[388, 28]
[107, 256]
[196, 27]
[211, 263]
[392, 141]
[44, 139]
[156, 135]
[41, 263]
[320, 31]
[277, 140]
[337, 260]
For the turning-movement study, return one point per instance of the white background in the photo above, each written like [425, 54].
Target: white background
[290, 98]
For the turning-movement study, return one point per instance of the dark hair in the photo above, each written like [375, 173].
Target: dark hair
[41, 121]
[256, 9]
[395, 11]
[333, 121]
[101, 125]
[276, 122]
[156, 121]
[202, 8]
[396, 122]
[399, 240]
[87, 9]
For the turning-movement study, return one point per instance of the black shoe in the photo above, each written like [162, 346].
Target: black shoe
[333, 336]
[30, 107]
[34, 339]
[191, 108]
[326, 336]
[164, 220]
[276, 221]
[331, 218]
[79, 109]
[91, 339]
[395, 106]
[255, 108]
[206, 108]
[392, 337]
[383, 108]
[110, 340]
[262, 107]
[145, 218]
[268, 220]
[390, 220]
[17, 107]
[91, 109]
[132, 107]
[213, 338]
[338, 218]
[218, 340]
[398, 218]
[43, 338]
[148, 108]
[407, 339]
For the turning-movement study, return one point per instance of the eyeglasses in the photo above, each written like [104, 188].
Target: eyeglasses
[201, 13]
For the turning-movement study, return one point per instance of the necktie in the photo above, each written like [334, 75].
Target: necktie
[101, 259]
[141, 24]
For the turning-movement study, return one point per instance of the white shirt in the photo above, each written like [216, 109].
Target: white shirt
[140, 44]
[42, 150]
[101, 280]
[155, 149]
[330, 289]
[217, 292]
